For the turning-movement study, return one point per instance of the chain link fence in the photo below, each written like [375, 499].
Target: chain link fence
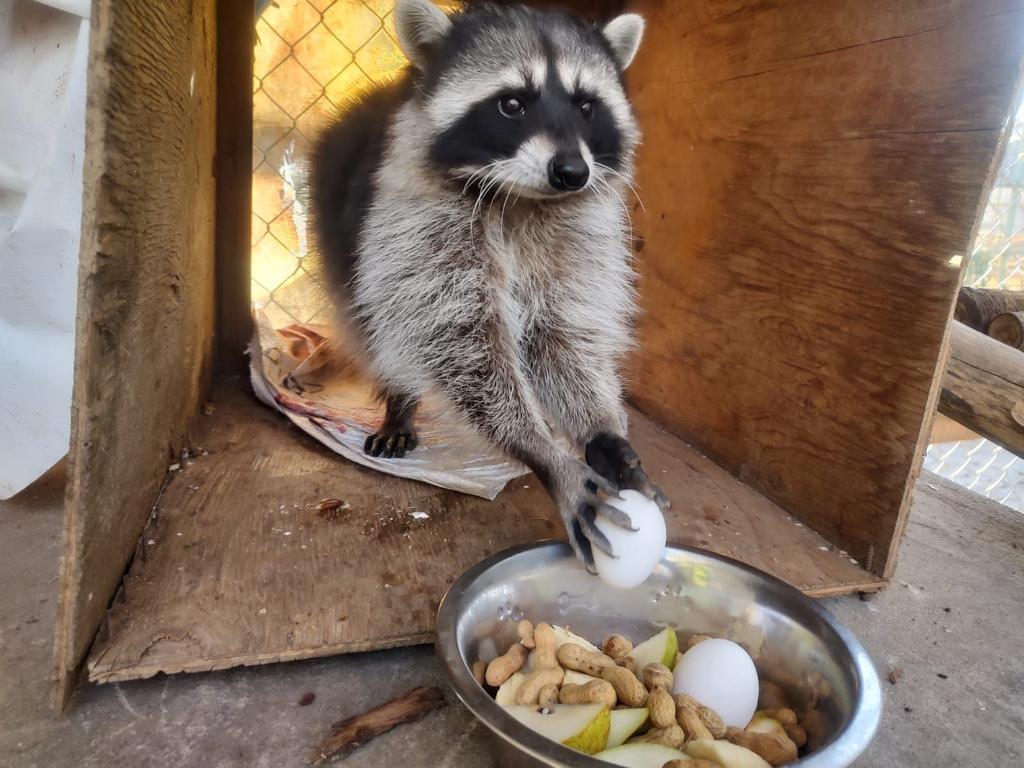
[997, 261]
[311, 57]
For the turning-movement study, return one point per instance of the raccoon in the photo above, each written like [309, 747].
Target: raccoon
[473, 226]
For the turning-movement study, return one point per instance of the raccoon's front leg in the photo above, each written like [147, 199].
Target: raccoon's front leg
[580, 387]
[476, 366]
[396, 436]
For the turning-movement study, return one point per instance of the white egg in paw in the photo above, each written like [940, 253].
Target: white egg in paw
[636, 552]
[721, 675]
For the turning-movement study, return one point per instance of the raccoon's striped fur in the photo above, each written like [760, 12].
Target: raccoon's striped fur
[473, 225]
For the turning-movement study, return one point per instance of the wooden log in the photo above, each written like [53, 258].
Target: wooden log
[1008, 328]
[352, 733]
[983, 388]
[977, 307]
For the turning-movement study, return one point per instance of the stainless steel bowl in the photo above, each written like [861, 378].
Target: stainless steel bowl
[794, 641]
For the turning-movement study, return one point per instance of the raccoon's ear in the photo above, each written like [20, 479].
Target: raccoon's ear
[420, 25]
[624, 33]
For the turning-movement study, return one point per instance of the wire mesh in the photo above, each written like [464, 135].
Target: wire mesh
[311, 56]
[997, 261]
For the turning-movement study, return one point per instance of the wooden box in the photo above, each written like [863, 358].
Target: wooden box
[811, 172]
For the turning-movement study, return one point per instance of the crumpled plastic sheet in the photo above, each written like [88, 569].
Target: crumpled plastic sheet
[297, 370]
[43, 56]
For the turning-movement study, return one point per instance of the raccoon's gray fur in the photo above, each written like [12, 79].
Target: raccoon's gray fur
[473, 225]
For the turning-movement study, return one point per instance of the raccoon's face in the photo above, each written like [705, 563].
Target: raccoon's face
[520, 100]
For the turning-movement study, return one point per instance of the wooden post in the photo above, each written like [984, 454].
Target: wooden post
[143, 340]
[983, 388]
[976, 307]
[1008, 328]
[235, 40]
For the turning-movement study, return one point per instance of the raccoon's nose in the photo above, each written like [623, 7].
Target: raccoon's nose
[568, 172]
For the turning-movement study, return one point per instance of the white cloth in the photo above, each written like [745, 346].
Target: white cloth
[43, 56]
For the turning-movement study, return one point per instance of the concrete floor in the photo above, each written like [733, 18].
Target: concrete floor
[953, 620]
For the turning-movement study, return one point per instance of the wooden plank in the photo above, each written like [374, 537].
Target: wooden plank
[811, 174]
[240, 567]
[236, 29]
[983, 388]
[145, 311]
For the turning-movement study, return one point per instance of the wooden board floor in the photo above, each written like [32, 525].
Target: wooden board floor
[239, 567]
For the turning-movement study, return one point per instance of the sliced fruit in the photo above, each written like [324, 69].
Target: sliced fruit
[506, 695]
[660, 649]
[563, 636]
[726, 754]
[761, 723]
[624, 723]
[583, 727]
[640, 755]
[577, 678]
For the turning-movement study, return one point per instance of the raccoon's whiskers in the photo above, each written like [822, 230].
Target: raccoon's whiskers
[605, 190]
[486, 178]
[501, 219]
[622, 177]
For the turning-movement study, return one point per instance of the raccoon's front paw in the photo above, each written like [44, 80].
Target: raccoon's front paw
[580, 494]
[614, 459]
[390, 443]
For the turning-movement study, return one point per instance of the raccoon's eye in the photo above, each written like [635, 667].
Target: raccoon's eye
[587, 109]
[511, 106]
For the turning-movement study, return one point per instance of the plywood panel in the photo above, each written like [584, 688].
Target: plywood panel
[811, 173]
[145, 309]
[239, 566]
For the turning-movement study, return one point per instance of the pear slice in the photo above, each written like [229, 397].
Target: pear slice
[660, 649]
[640, 755]
[726, 754]
[577, 678]
[624, 723]
[761, 723]
[583, 727]
[506, 695]
[562, 636]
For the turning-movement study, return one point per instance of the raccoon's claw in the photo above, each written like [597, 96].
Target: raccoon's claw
[612, 457]
[390, 445]
[582, 547]
[578, 489]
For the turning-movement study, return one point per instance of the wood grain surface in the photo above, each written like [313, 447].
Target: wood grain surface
[145, 306]
[353, 732]
[978, 307]
[983, 388]
[1008, 328]
[811, 174]
[240, 566]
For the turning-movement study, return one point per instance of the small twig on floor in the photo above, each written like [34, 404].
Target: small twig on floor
[348, 735]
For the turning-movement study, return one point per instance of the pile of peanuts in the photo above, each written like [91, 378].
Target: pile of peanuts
[675, 719]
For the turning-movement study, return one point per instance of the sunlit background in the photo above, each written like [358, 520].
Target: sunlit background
[311, 56]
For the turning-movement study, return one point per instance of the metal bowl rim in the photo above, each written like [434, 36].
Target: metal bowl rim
[844, 748]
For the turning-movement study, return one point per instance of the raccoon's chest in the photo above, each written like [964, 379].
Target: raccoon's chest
[533, 283]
